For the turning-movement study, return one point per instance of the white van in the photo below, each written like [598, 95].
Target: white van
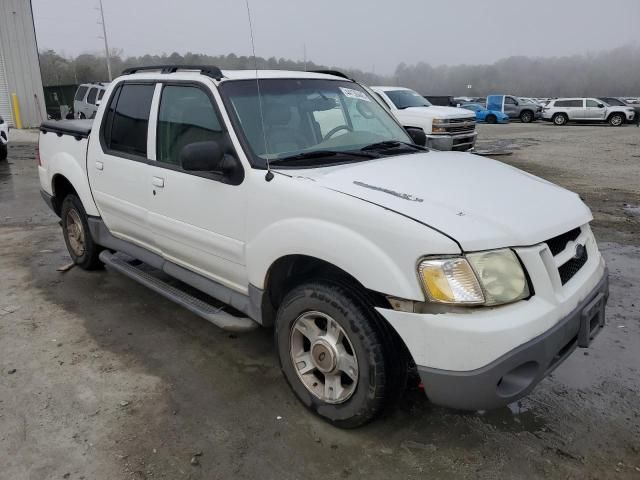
[88, 98]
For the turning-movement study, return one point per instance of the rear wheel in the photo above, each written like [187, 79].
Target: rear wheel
[75, 229]
[3, 152]
[616, 120]
[334, 354]
[491, 118]
[526, 116]
[560, 119]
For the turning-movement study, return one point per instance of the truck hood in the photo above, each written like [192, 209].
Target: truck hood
[480, 203]
[437, 112]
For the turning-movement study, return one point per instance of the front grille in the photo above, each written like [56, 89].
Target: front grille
[569, 269]
[461, 129]
[559, 243]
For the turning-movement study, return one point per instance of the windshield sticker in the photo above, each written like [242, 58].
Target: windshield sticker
[357, 94]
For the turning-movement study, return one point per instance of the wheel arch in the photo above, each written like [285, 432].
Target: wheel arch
[68, 176]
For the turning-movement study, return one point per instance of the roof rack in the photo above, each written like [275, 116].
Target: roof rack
[335, 73]
[208, 70]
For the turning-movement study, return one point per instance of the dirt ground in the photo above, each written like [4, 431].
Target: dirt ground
[101, 378]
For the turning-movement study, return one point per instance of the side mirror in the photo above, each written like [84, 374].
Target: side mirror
[206, 157]
[600, 105]
[98, 102]
[417, 135]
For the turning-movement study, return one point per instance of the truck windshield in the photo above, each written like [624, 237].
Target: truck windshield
[407, 98]
[302, 118]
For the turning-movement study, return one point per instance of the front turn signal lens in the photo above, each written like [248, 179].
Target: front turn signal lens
[450, 280]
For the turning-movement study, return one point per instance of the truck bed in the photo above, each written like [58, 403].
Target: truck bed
[75, 128]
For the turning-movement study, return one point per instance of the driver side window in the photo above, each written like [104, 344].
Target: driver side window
[185, 116]
[509, 101]
[592, 103]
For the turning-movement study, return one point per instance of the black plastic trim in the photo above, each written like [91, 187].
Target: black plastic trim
[67, 127]
[481, 389]
[207, 70]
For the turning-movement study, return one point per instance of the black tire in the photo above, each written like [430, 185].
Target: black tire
[4, 151]
[560, 119]
[380, 374]
[82, 116]
[616, 119]
[87, 259]
[526, 116]
[491, 118]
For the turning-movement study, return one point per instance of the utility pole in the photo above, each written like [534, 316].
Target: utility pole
[304, 46]
[106, 43]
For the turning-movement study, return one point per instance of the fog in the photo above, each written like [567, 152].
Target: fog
[372, 36]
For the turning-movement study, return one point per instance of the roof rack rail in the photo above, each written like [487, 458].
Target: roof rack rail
[335, 73]
[208, 70]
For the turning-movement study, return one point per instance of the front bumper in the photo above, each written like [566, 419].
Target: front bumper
[444, 142]
[517, 372]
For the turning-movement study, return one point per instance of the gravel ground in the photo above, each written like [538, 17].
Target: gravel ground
[101, 378]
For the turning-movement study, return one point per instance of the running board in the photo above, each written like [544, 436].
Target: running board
[209, 312]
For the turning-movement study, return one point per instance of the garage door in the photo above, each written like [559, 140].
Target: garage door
[5, 100]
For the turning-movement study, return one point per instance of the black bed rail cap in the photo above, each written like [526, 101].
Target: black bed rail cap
[208, 70]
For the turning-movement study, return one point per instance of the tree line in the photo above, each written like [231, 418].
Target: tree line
[615, 72]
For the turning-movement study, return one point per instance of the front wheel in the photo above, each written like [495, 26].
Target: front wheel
[616, 120]
[491, 119]
[333, 354]
[75, 229]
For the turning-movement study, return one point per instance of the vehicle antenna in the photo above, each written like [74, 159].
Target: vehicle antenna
[269, 176]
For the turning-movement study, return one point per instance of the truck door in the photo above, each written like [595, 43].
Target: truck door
[198, 219]
[511, 107]
[117, 164]
[595, 110]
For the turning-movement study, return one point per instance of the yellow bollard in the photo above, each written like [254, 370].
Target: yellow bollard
[16, 111]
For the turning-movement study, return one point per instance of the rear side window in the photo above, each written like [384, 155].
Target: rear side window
[80, 93]
[91, 98]
[127, 119]
[568, 103]
[186, 116]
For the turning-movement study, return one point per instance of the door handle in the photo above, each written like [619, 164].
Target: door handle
[158, 182]
[99, 165]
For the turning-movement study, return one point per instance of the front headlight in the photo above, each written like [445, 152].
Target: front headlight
[437, 121]
[483, 278]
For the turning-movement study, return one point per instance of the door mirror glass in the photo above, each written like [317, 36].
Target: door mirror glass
[600, 105]
[417, 135]
[206, 157]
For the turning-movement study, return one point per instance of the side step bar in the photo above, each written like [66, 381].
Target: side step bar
[209, 312]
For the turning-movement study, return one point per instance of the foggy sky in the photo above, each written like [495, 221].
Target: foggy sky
[366, 34]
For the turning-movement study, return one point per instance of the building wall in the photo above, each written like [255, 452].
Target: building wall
[19, 50]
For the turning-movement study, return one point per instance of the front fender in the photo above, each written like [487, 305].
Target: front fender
[335, 244]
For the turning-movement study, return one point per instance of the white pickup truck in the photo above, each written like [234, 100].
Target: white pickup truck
[304, 206]
[446, 128]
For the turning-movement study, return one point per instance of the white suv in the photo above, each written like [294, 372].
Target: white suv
[88, 98]
[563, 110]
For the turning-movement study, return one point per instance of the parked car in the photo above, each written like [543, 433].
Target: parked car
[297, 200]
[87, 99]
[484, 115]
[514, 107]
[446, 128]
[563, 110]
[4, 139]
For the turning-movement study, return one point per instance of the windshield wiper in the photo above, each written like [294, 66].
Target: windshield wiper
[313, 154]
[388, 144]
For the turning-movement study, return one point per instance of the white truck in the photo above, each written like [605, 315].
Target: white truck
[369, 255]
[446, 128]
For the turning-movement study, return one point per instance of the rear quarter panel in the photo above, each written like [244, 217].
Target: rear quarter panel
[66, 156]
